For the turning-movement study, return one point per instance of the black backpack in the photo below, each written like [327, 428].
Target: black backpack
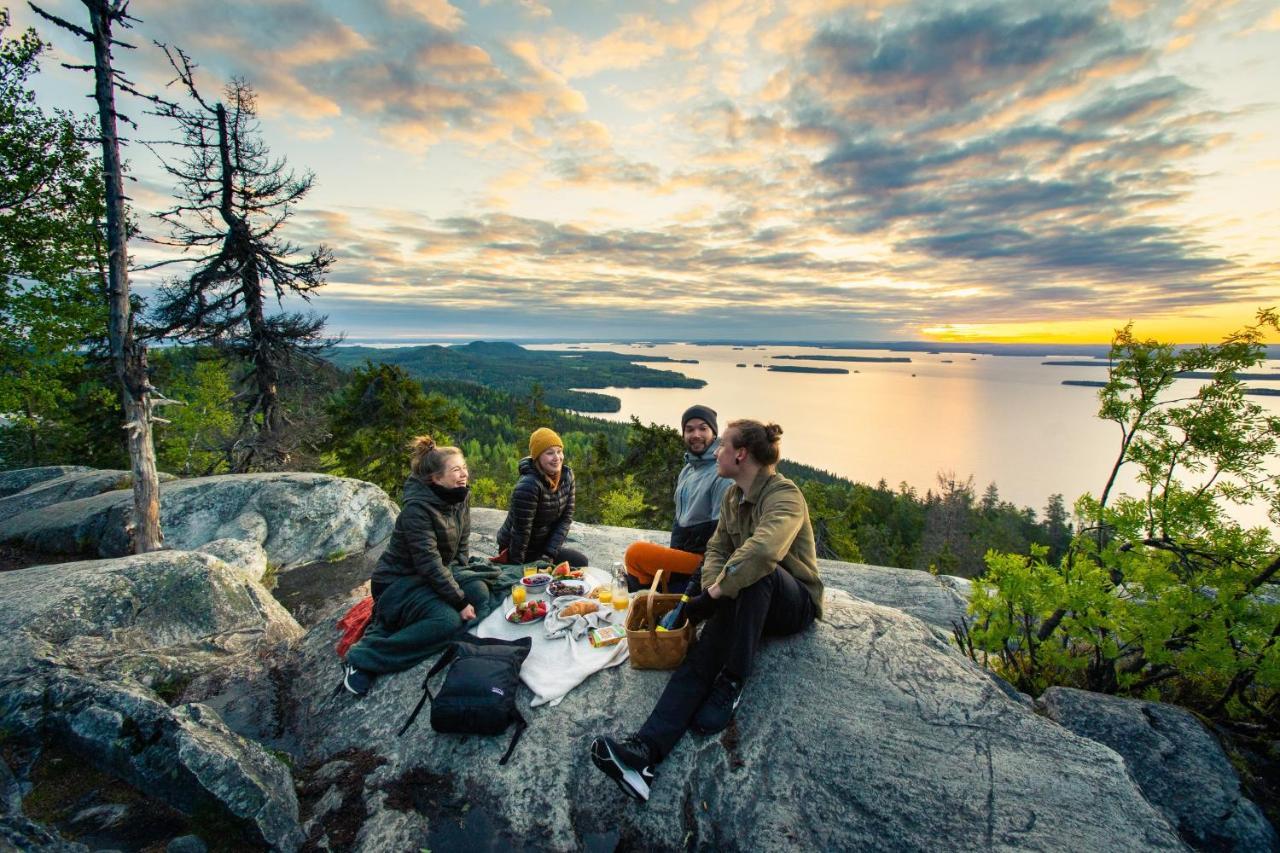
[479, 693]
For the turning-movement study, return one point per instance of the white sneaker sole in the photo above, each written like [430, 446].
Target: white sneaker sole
[631, 781]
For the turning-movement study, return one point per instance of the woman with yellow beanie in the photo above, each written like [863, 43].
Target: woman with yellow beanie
[541, 511]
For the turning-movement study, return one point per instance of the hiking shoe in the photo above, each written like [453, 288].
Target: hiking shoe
[629, 762]
[357, 681]
[717, 710]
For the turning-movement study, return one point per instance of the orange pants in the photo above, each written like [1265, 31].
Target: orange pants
[644, 559]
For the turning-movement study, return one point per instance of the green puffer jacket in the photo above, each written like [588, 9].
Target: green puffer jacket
[430, 539]
[765, 528]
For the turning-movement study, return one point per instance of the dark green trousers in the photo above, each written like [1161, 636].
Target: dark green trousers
[411, 622]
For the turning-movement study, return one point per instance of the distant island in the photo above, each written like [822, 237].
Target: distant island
[514, 369]
[787, 368]
[858, 358]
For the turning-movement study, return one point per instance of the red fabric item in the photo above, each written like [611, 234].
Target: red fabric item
[501, 558]
[353, 624]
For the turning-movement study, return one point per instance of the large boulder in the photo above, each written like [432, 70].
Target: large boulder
[160, 619]
[71, 486]
[17, 479]
[184, 756]
[97, 649]
[297, 518]
[1176, 762]
[869, 731]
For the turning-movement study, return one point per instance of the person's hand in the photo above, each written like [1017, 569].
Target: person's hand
[468, 613]
[700, 607]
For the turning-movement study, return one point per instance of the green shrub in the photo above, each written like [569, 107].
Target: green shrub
[1161, 595]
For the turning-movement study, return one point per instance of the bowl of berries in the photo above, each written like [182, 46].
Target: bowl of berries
[535, 584]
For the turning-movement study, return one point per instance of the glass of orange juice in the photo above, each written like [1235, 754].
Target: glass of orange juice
[606, 594]
[620, 597]
[530, 571]
[518, 595]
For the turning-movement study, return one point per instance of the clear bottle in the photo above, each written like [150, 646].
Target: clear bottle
[621, 597]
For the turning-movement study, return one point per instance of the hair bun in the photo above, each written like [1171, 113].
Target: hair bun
[423, 444]
[773, 432]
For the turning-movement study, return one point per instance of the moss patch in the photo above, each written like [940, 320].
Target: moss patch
[64, 786]
[341, 825]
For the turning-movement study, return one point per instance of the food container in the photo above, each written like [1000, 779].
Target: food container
[536, 584]
[608, 635]
[561, 587]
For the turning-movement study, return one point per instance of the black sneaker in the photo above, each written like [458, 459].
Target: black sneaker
[627, 762]
[717, 710]
[357, 681]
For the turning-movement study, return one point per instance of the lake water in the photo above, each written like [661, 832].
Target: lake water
[1000, 419]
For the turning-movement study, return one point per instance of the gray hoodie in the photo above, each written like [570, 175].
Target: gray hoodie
[699, 492]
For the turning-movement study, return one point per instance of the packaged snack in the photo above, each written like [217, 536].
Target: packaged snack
[607, 635]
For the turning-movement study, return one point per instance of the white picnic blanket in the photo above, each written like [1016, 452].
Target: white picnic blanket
[554, 665]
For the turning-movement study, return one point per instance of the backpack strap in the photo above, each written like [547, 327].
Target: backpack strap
[445, 660]
[521, 725]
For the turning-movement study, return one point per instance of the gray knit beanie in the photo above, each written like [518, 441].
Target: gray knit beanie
[706, 413]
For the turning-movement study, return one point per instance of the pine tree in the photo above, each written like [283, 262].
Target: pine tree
[234, 199]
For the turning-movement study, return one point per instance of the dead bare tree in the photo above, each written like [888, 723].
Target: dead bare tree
[128, 353]
[233, 199]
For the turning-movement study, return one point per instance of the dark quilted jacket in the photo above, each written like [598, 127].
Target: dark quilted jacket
[430, 536]
[539, 518]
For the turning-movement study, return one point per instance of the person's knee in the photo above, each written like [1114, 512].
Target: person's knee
[476, 592]
[634, 556]
[761, 589]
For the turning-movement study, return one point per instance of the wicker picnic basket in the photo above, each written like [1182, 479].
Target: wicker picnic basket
[648, 647]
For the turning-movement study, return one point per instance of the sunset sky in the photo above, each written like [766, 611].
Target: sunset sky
[803, 170]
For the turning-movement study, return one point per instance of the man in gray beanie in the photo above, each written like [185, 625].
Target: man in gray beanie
[699, 491]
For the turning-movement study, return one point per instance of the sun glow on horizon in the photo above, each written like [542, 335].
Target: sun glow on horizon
[1179, 330]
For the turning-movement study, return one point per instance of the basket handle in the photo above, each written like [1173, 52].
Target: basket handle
[653, 590]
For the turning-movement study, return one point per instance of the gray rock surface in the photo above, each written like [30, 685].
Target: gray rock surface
[160, 618]
[297, 518]
[868, 732]
[10, 792]
[184, 756]
[17, 479]
[69, 487]
[1178, 764]
[186, 844]
[244, 556]
[22, 834]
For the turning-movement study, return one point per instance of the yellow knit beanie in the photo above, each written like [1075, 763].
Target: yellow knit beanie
[543, 438]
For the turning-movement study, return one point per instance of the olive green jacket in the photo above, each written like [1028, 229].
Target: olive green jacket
[758, 531]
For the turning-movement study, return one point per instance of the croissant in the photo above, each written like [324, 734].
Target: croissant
[579, 608]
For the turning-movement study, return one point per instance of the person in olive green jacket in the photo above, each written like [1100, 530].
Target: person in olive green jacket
[760, 578]
[418, 599]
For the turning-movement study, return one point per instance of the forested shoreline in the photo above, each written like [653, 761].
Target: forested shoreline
[356, 422]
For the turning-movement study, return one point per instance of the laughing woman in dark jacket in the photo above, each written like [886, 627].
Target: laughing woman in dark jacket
[537, 523]
[418, 600]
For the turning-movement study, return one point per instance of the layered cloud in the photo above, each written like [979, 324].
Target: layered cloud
[861, 168]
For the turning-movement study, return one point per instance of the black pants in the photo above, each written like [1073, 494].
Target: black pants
[776, 605]
[572, 556]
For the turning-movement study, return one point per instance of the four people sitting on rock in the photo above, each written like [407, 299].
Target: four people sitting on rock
[758, 577]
